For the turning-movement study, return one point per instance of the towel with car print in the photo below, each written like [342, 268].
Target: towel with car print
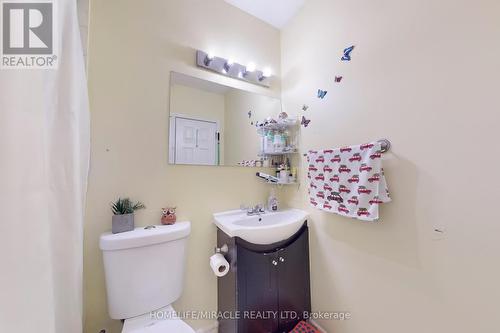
[348, 181]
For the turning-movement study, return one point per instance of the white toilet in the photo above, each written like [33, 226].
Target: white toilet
[144, 271]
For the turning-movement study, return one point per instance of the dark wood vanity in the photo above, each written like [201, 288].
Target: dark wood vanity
[267, 289]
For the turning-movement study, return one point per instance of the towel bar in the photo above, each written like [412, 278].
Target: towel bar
[384, 144]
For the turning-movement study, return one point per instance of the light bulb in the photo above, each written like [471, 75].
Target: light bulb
[267, 72]
[251, 67]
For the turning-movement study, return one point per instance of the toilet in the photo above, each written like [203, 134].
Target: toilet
[144, 271]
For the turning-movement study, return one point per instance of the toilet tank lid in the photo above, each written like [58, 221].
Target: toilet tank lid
[144, 236]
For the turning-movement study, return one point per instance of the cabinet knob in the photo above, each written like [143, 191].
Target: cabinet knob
[275, 263]
[282, 259]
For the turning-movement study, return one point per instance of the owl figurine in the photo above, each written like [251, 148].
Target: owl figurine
[168, 216]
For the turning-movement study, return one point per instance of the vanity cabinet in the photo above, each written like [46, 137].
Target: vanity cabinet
[268, 287]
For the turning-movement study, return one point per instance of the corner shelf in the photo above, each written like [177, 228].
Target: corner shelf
[264, 154]
[278, 126]
[280, 183]
[288, 129]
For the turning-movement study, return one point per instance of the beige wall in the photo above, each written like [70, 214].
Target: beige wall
[83, 24]
[133, 46]
[242, 139]
[425, 75]
[200, 104]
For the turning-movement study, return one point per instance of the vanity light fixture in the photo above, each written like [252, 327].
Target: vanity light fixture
[249, 69]
[265, 74]
[209, 57]
[232, 69]
[228, 64]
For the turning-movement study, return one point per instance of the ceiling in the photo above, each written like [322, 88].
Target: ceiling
[275, 12]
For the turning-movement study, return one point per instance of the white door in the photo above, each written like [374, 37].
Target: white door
[195, 141]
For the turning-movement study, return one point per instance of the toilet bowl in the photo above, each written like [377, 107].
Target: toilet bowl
[144, 271]
[153, 322]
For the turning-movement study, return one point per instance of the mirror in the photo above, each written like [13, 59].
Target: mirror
[213, 124]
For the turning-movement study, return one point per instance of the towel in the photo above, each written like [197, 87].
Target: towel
[348, 181]
[304, 327]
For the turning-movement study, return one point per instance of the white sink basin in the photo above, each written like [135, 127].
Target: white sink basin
[267, 228]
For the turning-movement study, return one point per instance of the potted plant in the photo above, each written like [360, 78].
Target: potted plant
[123, 214]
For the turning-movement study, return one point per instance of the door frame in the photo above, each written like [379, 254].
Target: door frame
[172, 132]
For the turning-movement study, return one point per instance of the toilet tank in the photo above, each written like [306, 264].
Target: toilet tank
[144, 268]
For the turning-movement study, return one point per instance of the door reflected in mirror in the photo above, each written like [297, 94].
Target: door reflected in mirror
[213, 124]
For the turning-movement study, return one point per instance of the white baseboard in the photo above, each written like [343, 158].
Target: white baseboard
[321, 329]
[213, 328]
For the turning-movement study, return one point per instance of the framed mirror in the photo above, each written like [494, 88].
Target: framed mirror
[213, 124]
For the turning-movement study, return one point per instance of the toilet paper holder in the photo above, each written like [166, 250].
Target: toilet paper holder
[223, 249]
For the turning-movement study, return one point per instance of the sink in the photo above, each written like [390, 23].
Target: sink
[267, 228]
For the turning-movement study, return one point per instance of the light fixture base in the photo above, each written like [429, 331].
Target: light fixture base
[235, 70]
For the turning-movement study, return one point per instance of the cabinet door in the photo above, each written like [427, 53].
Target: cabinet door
[257, 292]
[294, 296]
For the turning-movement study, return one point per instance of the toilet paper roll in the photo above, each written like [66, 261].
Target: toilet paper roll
[219, 264]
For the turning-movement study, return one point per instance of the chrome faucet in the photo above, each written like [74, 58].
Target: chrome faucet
[257, 210]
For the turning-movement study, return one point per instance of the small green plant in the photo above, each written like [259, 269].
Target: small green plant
[125, 206]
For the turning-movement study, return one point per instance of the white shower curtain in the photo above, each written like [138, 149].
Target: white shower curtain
[44, 156]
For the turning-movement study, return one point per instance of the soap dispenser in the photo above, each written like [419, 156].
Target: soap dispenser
[272, 201]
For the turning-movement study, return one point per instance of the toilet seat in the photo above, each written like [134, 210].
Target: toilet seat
[146, 323]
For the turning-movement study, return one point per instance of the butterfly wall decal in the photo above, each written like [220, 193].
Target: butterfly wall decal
[347, 53]
[249, 114]
[322, 93]
[305, 107]
[338, 78]
[305, 122]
